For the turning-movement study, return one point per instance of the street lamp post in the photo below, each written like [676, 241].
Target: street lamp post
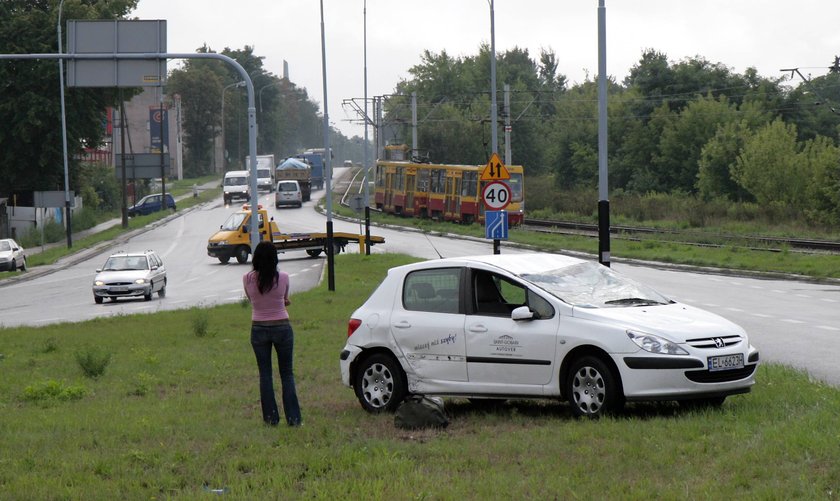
[603, 190]
[366, 166]
[64, 133]
[237, 84]
[327, 162]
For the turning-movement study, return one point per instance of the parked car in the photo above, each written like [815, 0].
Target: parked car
[12, 256]
[149, 204]
[130, 274]
[538, 326]
[288, 193]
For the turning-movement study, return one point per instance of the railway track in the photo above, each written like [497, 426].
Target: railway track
[353, 187]
[776, 244]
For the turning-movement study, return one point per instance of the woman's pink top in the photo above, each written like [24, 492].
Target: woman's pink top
[272, 304]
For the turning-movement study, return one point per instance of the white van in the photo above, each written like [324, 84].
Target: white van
[288, 193]
[265, 180]
[235, 185]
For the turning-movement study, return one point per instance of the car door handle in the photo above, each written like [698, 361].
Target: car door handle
[403, 324]
[478, 328]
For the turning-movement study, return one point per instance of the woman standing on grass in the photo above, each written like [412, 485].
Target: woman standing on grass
[268, 291]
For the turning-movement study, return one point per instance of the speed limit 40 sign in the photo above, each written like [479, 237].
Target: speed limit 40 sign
[496, 195]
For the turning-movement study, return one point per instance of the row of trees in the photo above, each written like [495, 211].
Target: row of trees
[690, 127]
[31, 154]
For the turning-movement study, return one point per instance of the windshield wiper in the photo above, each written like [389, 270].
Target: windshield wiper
[634, 301]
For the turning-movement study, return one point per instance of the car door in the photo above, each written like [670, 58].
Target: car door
[503, 352]
[428, 324]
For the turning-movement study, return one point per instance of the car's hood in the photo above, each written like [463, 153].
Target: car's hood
[222, 235]
[677, 322]
[121, 276]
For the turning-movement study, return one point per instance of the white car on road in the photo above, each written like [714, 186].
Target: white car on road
[130, 274]
[538, 326]
[12, 256]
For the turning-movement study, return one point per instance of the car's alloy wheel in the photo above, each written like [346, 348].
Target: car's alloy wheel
[380, 383]
[592, 388]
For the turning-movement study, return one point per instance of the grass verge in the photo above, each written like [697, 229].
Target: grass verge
[176, 415]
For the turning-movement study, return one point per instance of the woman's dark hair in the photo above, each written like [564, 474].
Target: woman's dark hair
[265, 264]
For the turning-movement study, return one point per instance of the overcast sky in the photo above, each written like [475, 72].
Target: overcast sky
[765, 34]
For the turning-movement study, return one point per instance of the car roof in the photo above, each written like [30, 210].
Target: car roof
[517, 264]
[132, 254]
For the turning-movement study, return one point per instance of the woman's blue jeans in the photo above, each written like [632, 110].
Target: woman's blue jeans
[281, 337]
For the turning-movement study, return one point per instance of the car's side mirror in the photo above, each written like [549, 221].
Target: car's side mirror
[244, 229]
[522, 313]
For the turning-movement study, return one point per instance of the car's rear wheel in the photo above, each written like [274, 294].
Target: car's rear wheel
[592, 388]
[23, 265]
[162, 291]
[242, 254]
[379, 383]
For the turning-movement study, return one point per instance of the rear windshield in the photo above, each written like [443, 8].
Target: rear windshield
[288, 187]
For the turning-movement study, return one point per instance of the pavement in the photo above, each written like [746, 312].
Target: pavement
[83, 253]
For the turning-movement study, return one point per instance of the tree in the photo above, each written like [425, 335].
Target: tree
[769, 166]
[31, 150]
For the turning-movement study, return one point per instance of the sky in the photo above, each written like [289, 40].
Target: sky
[768, 35]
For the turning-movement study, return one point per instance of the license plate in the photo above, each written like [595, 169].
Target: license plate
[726, 362]
[119, 289]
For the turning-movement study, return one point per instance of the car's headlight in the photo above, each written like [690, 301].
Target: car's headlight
[98, 282]
[140, 281]
[655, 344]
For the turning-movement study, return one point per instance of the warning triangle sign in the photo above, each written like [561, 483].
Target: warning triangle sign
[495, 170]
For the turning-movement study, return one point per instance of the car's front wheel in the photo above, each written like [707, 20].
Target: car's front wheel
[592, 388]
[379, 383]
[148, 297]
[97, 299]
[242, 254]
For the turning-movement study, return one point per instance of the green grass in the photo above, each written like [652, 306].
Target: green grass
[176, 415]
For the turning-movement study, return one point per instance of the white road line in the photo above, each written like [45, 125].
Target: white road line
[762, 315]
[828, 328]
[735, 309]
[792, 321]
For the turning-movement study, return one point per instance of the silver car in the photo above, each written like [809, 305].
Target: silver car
[130, 274]
[12, 256]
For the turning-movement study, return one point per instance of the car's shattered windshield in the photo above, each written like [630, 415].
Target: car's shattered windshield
[592, 285]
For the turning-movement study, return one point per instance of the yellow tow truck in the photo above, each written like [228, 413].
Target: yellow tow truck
[234, 240]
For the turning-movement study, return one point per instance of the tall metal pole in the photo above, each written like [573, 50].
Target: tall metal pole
[603, 190]
[414, 124]
[494, 133]
[508, 160]
[327, 161]
[64, 134]
[366, 164]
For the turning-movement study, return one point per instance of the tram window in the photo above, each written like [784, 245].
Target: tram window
[438, 179]
[380, 176]
[423, 180]
[469, 184]
[515, 183]
[399, 183]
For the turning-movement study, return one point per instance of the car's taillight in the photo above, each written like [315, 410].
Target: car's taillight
[352, 326]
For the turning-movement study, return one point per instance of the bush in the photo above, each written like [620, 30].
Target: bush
[200, 322]
[52, 391]
[93, 361]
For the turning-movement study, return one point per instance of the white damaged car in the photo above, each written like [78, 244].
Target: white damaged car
[538, 326]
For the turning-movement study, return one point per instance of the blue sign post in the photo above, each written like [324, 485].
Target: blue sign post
[496, 225]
